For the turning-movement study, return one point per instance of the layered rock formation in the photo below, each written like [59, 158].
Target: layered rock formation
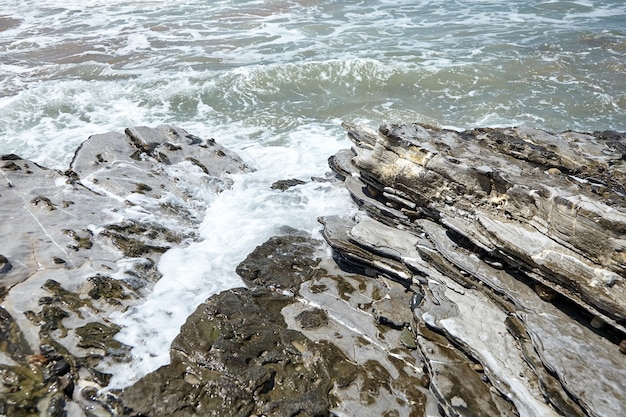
[483, 275]
[512, 241]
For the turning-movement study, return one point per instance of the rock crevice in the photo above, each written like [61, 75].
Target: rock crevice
[515, 239]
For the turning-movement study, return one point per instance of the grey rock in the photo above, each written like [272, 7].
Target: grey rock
[283, 185]
[84, 244]
[512, 242]
[483, 275]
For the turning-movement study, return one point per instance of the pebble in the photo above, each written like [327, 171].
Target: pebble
[407, 339]
[545, 293]
[416, 300]
[597, 323]
[61, 367]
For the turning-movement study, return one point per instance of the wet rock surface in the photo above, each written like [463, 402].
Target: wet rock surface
[81, 244]
[484, 275]
[300, 341]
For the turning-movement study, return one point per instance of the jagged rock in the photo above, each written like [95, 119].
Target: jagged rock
[83, 244]
[283, 185]
[268, 351]
[513, 243]
[484, 275]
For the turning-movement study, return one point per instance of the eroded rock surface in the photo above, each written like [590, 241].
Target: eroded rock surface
[513, 241]
[302, 340]
[81, 244]
[483, 276]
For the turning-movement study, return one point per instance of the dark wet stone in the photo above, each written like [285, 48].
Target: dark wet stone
[49, 352]
[50, 318]
[67, 299]
[5, 265]
[235, 357]
[282, 262]
[416, 300]
[12, 341]
[100, 378]
[66, 385]
[60, 367]
[107, 288]
[313, 318]
[10, 157]
[283, 185]
[100, 336]
[22, 389]
[56, 407]
[89, 393]
[136, 247]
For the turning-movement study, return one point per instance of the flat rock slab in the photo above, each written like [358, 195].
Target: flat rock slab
[81, 244]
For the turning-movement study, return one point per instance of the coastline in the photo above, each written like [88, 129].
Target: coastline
[460, 253]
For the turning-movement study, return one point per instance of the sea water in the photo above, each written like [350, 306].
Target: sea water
[273, 80]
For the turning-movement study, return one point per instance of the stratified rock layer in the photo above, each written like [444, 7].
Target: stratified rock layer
[514, 243]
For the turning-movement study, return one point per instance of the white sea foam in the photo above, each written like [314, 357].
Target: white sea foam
[235, 222]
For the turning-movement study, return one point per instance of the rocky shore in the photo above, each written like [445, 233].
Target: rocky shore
[483, 275]
[80, 245]
[512, 242]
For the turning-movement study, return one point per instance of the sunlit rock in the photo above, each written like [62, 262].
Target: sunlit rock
[81, 244]
[514, 240]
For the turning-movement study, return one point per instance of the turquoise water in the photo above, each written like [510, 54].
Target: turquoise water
[273, 80]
